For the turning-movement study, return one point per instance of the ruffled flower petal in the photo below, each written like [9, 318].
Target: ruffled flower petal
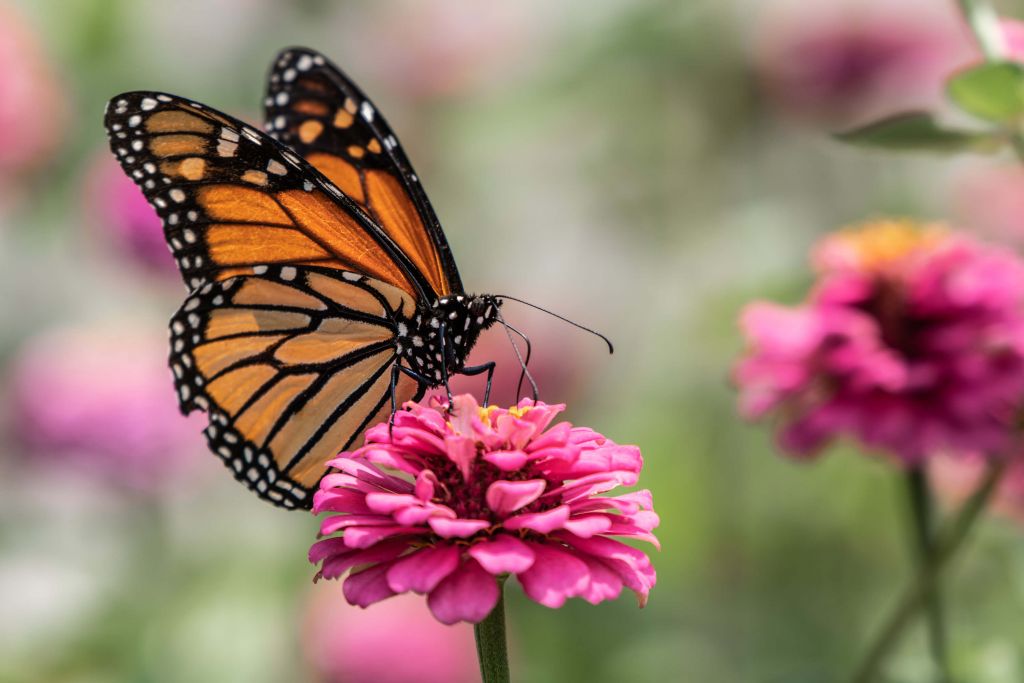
[467, 594]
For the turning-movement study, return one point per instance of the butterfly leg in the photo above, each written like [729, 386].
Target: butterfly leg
[395, 369]
[487, 367]
[442, 334]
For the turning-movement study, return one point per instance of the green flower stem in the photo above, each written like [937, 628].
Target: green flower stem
[948, 541]
[491, 647]
[984, 23]
[922, 513]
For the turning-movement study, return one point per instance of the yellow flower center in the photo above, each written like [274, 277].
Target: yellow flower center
[879, 244]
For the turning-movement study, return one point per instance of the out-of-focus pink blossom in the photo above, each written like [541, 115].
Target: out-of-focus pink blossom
[991, 199]
[446, 502]
[955, 479]
[440, 49]
[124, 218]
[396, 642]
[846, 63]
[102, 399]
[32, 110]
[912, 342]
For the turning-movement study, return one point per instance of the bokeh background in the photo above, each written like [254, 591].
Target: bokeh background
[644, 167]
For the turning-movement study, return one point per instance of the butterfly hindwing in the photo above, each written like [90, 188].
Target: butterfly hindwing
[312, 107]
[232, 198]
[292, 364]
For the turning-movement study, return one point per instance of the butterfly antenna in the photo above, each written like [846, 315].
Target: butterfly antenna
[524, 372]
[526, 364]
[606, 340]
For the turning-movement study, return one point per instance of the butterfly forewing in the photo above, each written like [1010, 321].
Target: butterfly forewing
[232, 198]
[292, 364]
[312, 107]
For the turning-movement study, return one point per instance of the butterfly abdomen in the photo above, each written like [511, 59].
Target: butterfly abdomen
[459, 318]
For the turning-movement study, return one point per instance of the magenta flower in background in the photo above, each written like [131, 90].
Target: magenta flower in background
[31, 108]
[912, 342]
[125, 219]
[445, 503]
[348, 645]
[845, 63]
[102, 400]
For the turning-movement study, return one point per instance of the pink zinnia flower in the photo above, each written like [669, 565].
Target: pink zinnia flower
[912, 342]
[445, 503]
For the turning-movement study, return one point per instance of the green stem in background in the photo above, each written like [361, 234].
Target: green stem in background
[984, 23]
[491, 646]
[947, 542]
[923, 517]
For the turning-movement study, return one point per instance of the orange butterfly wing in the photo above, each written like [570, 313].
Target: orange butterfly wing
[312, 107]
[231, 198]
[292, 365]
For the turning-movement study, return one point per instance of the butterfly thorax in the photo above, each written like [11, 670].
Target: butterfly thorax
[460, 319]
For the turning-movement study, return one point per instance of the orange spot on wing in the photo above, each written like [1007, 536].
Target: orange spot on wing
[311, 107]
[177, 145]
[343, 119]
[177, 121]
[192, 168]
[356, 151]
[255, 177]
[310, 130]
[373, 146]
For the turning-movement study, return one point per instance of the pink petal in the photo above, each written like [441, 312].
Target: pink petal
[555, 576]
[541, 522]
[367, 536]
[339, 500]
[456, 528]
[386, 503]
[605, 583]
[426, 482]
[467, 594]
[506, 461]
[461, 450]
[335, 523]
[505, 497]
[422, 570]
[503, 554]
[588, 525]
[368, 586]
[337, 563]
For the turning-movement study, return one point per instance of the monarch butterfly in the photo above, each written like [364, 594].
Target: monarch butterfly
[322, 291]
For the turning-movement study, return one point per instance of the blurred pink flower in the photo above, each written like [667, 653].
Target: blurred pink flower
[846, 63]
[438, 50]
[32, 110]
[346, 645]
[991, 199]
[102, 399]
[447, 502]
[125, 219]
[912, 342]
[955, 479]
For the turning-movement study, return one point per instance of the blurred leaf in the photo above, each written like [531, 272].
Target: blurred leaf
[919, 131]
[993, 91]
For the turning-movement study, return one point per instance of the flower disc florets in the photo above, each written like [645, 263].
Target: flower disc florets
[446, 501]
